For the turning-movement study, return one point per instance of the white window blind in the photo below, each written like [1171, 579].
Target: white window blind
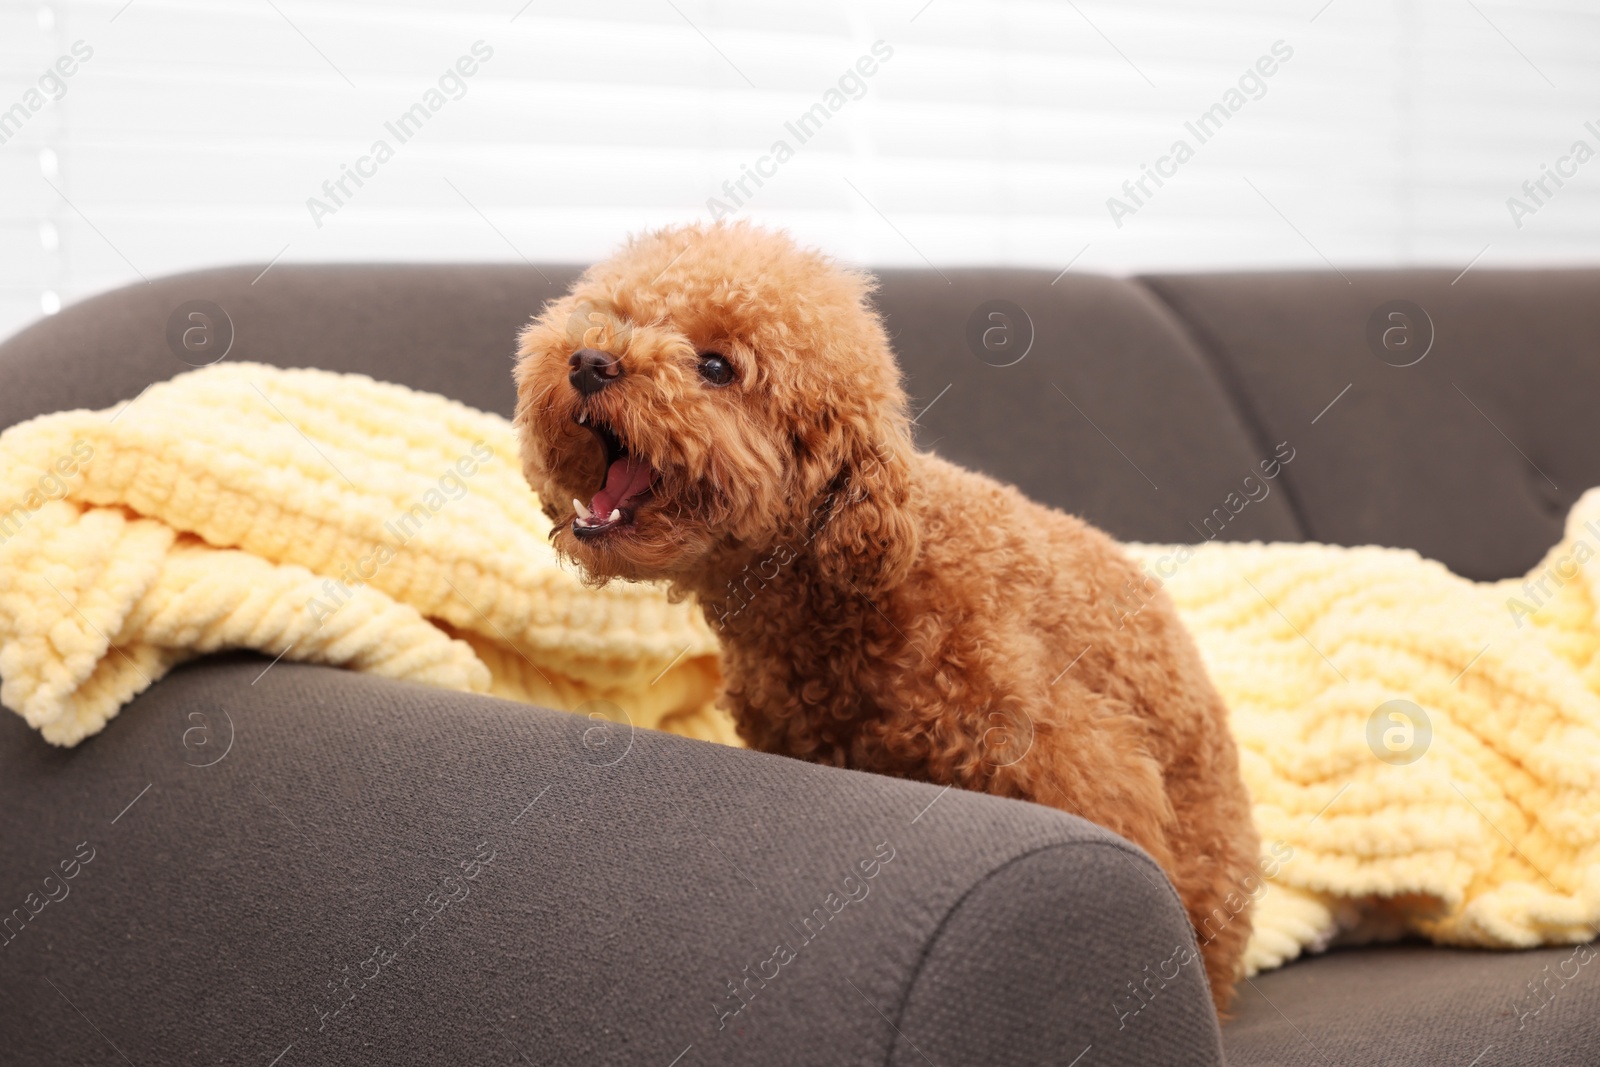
[194, 132]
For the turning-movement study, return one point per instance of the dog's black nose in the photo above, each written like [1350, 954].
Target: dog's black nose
[593, 370]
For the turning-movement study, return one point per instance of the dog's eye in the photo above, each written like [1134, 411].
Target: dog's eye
[715, 369]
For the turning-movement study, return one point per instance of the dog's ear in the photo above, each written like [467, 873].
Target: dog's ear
[864, 535]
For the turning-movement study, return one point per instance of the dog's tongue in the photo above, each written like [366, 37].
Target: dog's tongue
[626, 479]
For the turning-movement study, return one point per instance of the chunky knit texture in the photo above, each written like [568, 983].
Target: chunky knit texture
[338, 520]
[324, 517]
[1491, 835]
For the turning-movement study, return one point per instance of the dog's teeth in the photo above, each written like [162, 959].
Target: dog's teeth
[583, 417]
[583, 512]
[615, 516]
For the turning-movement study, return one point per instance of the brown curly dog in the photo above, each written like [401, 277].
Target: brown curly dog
[718, 408]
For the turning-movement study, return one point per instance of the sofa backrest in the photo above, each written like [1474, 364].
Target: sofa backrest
[1112, 413]
[1154, 407]
[1472, 455]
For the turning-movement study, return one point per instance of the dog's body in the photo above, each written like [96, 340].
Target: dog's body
[879, 608]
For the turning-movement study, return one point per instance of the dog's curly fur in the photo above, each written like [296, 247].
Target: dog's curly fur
[879, 607]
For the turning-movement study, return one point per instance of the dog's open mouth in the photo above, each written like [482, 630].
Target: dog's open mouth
[629, 480]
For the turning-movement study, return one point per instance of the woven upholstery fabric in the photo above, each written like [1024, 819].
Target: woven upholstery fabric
[1112, 414]
[1141, 387]
[1419, 1006]
[970, 1000]
[448, 330]
[303, 864]
[1472, 456]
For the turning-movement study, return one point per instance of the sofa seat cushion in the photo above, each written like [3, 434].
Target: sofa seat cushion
[1415, 1005]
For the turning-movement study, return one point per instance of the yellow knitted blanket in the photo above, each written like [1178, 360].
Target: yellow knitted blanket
[1423, 751]
[319, 517]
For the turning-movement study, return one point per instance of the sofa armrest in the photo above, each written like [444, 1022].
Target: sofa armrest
[1080, 949]
[334, 868]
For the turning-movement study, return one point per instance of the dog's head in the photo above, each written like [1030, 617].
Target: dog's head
[713, 393]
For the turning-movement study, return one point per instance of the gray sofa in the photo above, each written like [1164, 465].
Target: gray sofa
[386, 874]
